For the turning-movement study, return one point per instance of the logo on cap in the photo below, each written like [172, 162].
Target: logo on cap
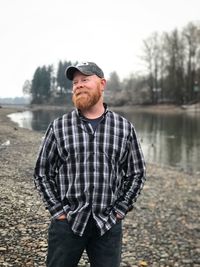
[82, 64]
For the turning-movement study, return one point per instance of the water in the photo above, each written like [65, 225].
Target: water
[166, 139]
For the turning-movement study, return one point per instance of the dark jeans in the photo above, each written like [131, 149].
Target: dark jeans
[65, 248]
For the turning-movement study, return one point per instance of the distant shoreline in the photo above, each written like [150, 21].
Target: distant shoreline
[160, 108]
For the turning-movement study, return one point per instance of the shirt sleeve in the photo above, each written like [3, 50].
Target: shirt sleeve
[45, 173]
[135, 175]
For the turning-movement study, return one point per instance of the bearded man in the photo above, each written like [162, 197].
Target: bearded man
[89, 171]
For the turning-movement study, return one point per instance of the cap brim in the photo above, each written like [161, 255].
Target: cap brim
[70, 72]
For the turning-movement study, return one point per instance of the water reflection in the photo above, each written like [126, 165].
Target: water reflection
[170, 139]
[23, 119]
[165, 138]
[43, 117]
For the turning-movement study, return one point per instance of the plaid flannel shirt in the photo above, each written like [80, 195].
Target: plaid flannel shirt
[81, 172]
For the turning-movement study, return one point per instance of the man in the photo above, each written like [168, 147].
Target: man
[90, 170]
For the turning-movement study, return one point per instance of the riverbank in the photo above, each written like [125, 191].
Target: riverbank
[163, 229]
[159, 108]
[163, 108]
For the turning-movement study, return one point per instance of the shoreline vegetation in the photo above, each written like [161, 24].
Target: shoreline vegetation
[163, 230]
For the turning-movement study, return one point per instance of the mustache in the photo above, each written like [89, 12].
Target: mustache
[80, 92]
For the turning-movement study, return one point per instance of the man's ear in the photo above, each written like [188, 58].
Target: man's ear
[103, 83]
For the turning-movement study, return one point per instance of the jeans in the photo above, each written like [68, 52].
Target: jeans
[65, 248]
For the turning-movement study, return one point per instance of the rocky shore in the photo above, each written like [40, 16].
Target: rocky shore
[162, 231]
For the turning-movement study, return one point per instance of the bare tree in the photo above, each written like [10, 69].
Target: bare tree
[174, 66]
[191, 35]
[26, 87]
[153, 59]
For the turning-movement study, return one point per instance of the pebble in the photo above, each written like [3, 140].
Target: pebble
[2, 249]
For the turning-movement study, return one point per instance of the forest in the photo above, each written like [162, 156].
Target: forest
[171, 75]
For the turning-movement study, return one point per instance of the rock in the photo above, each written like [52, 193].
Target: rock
[3, 249]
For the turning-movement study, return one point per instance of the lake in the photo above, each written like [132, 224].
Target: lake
[166, 139]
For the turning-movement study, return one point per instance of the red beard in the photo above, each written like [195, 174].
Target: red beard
[85, 99]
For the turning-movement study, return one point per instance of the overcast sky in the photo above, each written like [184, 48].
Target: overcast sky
[109, 32]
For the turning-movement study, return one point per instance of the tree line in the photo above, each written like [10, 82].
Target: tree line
[172, 75]
[173, 61]
[47, 86]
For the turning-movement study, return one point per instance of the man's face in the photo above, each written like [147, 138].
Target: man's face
[87, 90]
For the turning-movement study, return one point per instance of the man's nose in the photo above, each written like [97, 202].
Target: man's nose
[78, 85]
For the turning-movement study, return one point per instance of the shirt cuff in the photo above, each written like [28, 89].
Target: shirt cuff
[56, 210]
[121, 208]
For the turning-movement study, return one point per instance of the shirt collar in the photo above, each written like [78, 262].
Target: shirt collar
[78, 112]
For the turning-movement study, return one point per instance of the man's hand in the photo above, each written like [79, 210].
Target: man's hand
[61, 217]
[119, 217]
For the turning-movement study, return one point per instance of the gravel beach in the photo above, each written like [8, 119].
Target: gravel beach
[163, 230]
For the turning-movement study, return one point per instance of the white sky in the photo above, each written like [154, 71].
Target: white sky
[109, 32]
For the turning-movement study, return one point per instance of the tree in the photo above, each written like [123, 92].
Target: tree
[152, 57]
[174, 66]
[26, 87]
[136, 88]
[191, 35]
[113, 84]
[63, 83]
[41, 85]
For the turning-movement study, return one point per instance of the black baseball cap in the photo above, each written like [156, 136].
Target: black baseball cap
[86, 68]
